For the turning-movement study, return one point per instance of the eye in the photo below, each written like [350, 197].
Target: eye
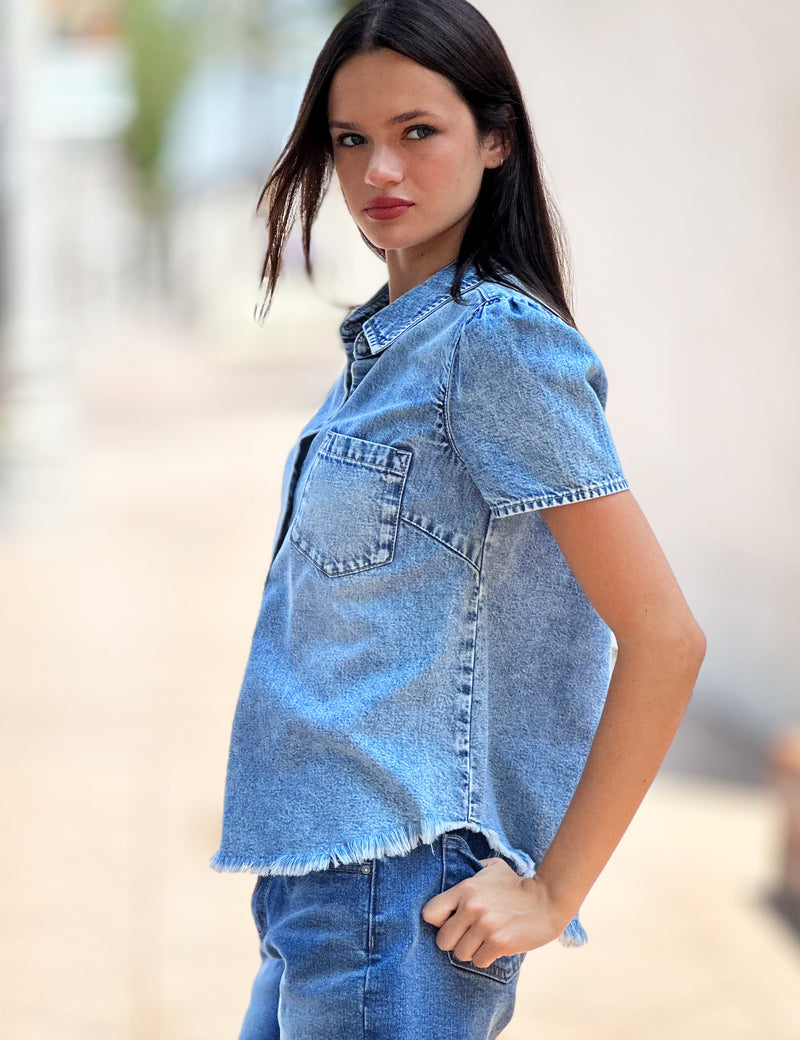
[419, 133]
[349, 140]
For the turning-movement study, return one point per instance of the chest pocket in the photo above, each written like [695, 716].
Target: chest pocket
[347, 517]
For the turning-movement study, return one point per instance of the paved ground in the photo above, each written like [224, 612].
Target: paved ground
[125, 620]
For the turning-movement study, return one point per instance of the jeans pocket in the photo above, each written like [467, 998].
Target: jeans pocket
[258, 904]
[460, 863]
[349, 509]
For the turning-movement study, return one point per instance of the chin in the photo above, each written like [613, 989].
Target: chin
[396, 237]
[398, 240]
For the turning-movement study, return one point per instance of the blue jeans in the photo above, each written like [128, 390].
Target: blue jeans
[346, 954]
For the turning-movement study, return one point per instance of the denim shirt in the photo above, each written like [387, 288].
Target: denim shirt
[424, 658]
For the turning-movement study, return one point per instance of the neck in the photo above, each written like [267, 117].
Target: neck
[408, 267]
[405, 274]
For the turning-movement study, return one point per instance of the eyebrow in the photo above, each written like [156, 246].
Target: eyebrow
[404, 117]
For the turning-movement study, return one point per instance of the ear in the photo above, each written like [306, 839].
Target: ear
[496, 149]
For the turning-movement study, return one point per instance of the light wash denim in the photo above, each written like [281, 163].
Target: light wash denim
[346, 954]
[424, 659]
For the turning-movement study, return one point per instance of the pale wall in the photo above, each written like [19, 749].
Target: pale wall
[672, 135]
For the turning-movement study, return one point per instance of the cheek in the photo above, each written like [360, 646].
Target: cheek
[349, 178]
[348, 163]
[342, 170]
[454, 170]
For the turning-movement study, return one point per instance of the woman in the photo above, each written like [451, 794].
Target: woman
[431, 760]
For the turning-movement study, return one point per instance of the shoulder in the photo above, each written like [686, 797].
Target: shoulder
[510, 322]
[499, 298]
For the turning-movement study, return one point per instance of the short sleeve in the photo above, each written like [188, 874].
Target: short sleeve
[525, 409]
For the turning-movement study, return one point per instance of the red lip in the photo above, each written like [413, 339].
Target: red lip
[386, 202]
[387, 208]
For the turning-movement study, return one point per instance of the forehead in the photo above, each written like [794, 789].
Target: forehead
[381, 83]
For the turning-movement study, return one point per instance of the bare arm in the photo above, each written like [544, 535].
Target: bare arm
[618, 562]
[615, 556]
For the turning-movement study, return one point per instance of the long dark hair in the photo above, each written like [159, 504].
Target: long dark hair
[515, 230]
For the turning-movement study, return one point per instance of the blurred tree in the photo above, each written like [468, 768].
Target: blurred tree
[166, 37]
[161, 51]
[167, 41]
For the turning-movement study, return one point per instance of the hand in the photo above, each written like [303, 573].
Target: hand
[495, 913]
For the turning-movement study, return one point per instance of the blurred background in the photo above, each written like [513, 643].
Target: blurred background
[145, 418]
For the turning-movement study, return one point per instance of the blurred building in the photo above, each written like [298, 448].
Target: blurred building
[101, 226]
[67, 231]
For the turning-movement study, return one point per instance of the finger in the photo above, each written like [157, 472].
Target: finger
[452, 932]
[482, 958]
[466, 949]
[437, 910]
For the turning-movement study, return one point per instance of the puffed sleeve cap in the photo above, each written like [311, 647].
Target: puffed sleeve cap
[525, 409]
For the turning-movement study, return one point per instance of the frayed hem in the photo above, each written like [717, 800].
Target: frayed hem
[397, 842]
[573, 934]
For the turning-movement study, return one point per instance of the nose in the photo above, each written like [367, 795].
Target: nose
[384, 168]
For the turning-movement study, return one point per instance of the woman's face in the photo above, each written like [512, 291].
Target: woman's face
[407, 154]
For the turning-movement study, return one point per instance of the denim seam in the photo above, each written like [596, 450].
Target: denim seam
[347, 460]
[440, 541]
[385, 339]
[474, 611]
[351, 567]
[560, 498]
[478, 600]
[448, 429]
[396, 463]
[493, 296]
[370, 952]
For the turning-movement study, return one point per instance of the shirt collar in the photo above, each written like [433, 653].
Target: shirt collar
[382, 321]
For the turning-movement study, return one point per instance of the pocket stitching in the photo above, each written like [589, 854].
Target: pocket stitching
[390, 505]
[359, 458]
